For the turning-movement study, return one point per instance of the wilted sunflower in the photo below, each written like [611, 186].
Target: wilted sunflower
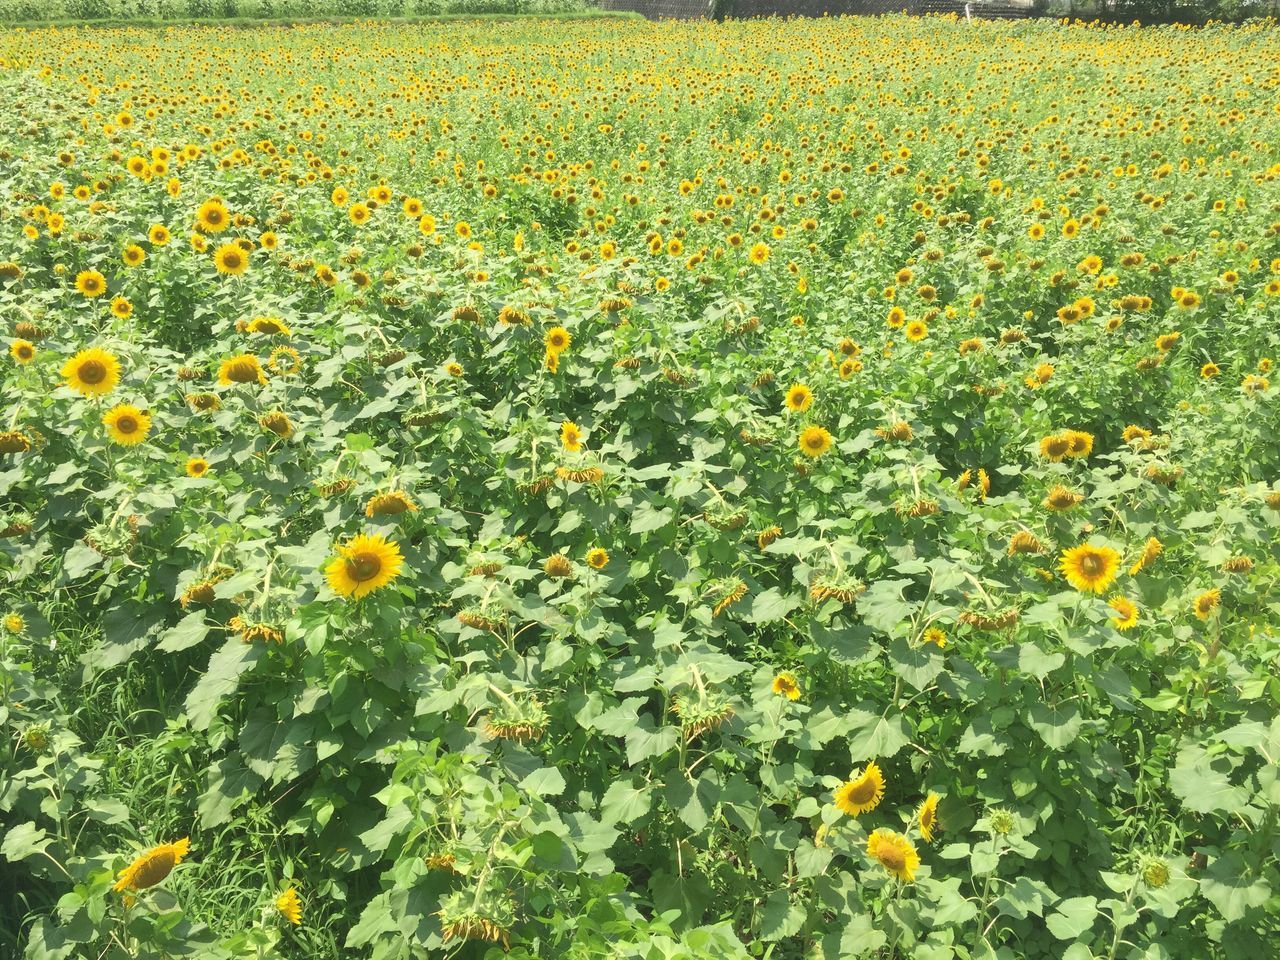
[284, 361]
[153, 866]
[92, 373]
[364, 564]
[1089, 568]
[894, 852]
[862, 792]
[126, 424]
[1061, 498]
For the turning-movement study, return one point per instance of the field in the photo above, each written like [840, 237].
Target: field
[611, 489]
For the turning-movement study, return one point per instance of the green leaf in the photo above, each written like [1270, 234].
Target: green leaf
[220, 680]
[1058, 725]
[917, 665]
[189, 631]
[1202, 783]
[544, 782]
[24, 840]
[647, 518]
[1232, 886]
[624, 802]
[1073, 918]
[771, 605]
[780, 917]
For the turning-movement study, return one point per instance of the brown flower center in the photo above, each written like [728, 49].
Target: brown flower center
[92, 372]
[363, 566]
[126, 424]
[892, 856]
[1092, 565]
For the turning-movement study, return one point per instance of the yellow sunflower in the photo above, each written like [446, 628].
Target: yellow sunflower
[230, 259]
[558, 340]
[1206, 603]
[126, 424]
[244, 368]
[289, 905]
[917, 330]
[364, 564]
[1150, 551]
[284, 361]
[570, 436]
[91, 283]
[597, 558]
[861, 793]
[152, 866]
[23, 351]
[213, 216]
[799, 398]
[1126, 612]
[814, 441]
[786, 685]
[759, 253]
[894, 852]
[197, 467]
[1089, 568]
[92, 373]
[927, 817]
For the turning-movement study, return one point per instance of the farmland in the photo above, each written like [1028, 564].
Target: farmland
[602, 488]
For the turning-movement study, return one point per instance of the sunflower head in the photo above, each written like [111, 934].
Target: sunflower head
[126, 424]
[814, 441]
[861, 793]
[799, 398]
[152, 867]
[92, 373]
[366, 563]
[927, 817]
[786, 685]
[894, 852]
[1090, 568]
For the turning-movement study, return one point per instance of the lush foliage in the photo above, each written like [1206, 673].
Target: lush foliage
[770, 489]
[150, 10]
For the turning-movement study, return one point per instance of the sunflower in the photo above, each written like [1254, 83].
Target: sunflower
[1150, 550]
[389, 504]
[23, 351]
[786, 685]
[861, 793]
[289, 906]
[284, 361]
[759, 253]
[799, 398]
[158, 235]
[153, 866]
[1055, 447]
[597, 558]
[1090, 568]
[1079, 443]
[364, 564]
[1061, 498]
[91, 283]
[244, 368]
[814, 441]
[268, 325]
[894, 852]
[570, 436]
[121, 307]
[92, 373]
[213, 216]
[1206, 603]
[557, 340]
[197, 467]
[231, 259]
[126, 424]
[917, 330]
[927, 817]
[1126, 612]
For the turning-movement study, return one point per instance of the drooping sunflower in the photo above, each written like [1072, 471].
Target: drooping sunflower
[284, 361]
[1206, 603]
[289, 906]
[570, 436]
[786, 685]
[1055, 447]
[230, 259]
[894, 852]
[861, 793]
[1150, 551]
[814, 441]
[1126, 612]
[245, 368]
[390, 504]
[153, 866]
[927, 817]
[92, 373]
[269, 325]
[597, 558]
[126, 424]
[799, 398]
[1089, 568]
[364, 564]
[91, 283]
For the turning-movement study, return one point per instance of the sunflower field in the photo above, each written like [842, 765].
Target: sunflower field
[582, 489]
